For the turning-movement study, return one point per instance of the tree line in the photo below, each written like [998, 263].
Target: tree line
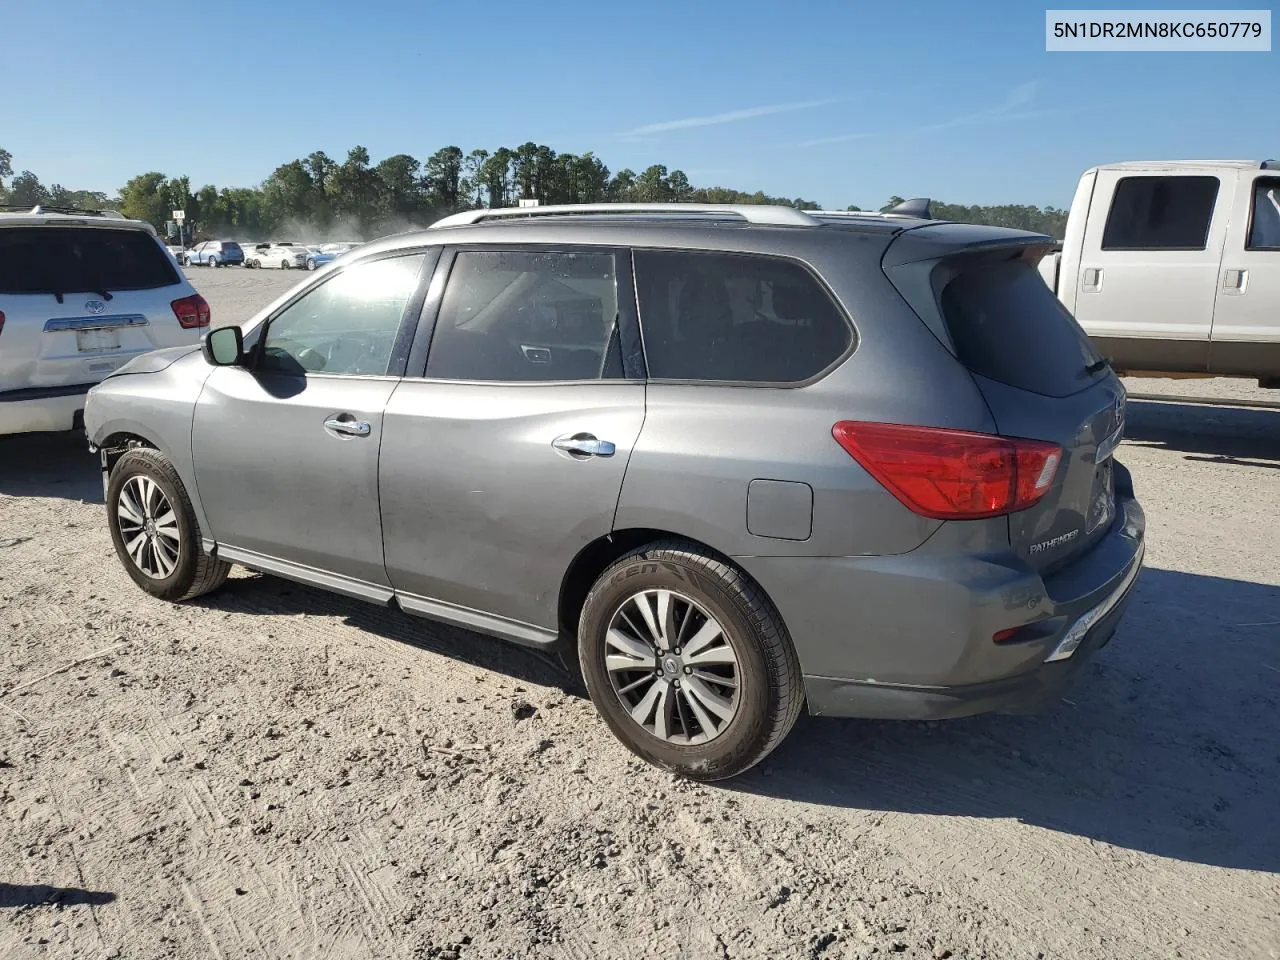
[357, 199]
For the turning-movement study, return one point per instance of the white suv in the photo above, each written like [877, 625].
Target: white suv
[81, 293]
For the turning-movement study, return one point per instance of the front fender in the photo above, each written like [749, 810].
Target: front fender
[156, 408]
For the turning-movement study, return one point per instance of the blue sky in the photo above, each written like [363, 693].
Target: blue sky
[839, 102]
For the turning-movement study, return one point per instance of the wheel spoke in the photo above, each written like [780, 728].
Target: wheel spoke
[641, 603]
[128, 509]
[640, 653]
[168, 519]
[716, 679]
[666, 619]
[637, 684]
[705, 635]
[717, 704]
[134, 547]
[721, 654]
[662, 714]
[164, 561]
[704, 719]
[641, 712]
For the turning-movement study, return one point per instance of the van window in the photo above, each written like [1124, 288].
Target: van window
[1264, 228]
[1160, 213]
[735, 318]
[81, 260]
[1008, 326]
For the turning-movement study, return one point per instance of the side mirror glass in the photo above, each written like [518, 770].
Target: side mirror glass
[224, 347]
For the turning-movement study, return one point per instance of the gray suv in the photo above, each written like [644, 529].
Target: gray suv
[741, 458]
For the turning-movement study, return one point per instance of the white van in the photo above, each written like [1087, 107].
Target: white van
[82, 293]
[1173, 267]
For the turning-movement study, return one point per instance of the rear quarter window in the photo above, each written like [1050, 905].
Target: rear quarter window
[1006, 325]
[735, 318]
[81, 260]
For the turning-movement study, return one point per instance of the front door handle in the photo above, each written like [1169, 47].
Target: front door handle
[1091, 279]
[584, 445]
[345, 423]
[1234, 281]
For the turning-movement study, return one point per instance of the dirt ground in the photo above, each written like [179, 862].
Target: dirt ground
[273, 772]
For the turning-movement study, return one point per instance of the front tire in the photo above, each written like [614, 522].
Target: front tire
[311, 264]
[154, 529]
[213, 261]
[284, 264]
[688, 661]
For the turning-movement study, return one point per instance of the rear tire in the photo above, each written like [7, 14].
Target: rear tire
[733, 697]
[148, 504]
[311, 264]
[213, 262]
[284, 264]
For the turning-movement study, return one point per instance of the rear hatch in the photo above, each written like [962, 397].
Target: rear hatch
[1037, 371]
[80, 300]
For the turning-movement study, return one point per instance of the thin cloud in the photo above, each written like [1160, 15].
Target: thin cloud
[730, 116]
[1007, 109]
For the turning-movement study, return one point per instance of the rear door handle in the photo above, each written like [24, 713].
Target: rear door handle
[1234, 281]
[345, 423]
[1091, 278]
[584, 445]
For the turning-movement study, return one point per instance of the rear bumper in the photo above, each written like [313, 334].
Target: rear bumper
[1022, 693]
[41, 414]
[910, 636]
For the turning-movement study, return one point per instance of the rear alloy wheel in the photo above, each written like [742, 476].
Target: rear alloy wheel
[311, 263]
[154, 529]
[213, 261]
[284, 264]
[688, 662]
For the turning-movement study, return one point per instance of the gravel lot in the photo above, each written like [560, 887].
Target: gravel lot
[274, 772]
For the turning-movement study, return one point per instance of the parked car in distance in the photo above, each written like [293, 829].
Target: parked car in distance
[177, 249]
[215, 253]
[1173, 267]
[860, 460]
[318, 257]
[81, 294]
[283, 254]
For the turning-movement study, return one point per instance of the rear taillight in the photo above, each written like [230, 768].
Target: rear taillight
[192, 311]
[952, 474]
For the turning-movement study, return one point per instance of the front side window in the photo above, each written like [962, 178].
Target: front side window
[1160, 213]
[735, 318]
[1264, 227]
[346, 325]
[527, 316]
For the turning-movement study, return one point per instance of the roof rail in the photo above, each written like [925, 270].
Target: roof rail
[42, 208]
[774, 216]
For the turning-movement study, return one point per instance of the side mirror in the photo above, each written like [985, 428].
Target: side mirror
[223, 347]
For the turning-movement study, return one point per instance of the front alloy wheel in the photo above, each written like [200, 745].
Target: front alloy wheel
[149, 527]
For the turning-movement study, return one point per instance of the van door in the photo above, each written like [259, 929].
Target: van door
[1246, 319]
[1149, 267]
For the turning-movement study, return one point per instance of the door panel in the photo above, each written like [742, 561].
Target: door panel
[1158, 293]
[1248, 306]
[481, 509]
[274, 479]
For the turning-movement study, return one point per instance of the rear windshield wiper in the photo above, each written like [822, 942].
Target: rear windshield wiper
[1097, 366]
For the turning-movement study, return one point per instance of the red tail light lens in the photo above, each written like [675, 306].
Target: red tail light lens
[952, 474]
[192, 311]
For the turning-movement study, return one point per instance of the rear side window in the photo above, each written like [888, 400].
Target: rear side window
[1160, 213]
[522, 316]
[735, 318]
[1008, 326]
[81, 260]
[230, 246]
[1264, 228]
